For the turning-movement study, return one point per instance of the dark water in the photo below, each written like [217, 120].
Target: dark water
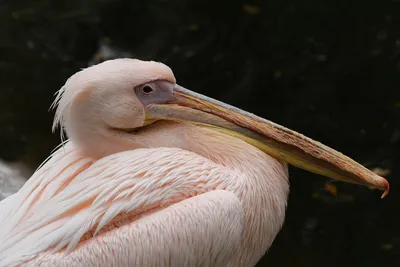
[328, 69]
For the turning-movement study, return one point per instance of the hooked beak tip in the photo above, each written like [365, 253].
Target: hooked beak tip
[387, 188]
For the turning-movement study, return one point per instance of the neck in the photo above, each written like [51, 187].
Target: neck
[262, 186]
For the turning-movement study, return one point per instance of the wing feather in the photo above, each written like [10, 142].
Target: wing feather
[174, 236]
[74, 195]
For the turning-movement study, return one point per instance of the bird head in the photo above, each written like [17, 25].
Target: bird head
[118, 98]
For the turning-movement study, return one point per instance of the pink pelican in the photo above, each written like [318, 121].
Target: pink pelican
[153, 174]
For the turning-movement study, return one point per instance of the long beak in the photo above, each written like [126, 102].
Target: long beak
[273, 139]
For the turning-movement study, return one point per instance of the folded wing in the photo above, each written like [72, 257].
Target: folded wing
[56, 210]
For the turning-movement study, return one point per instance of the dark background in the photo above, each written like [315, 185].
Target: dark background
[328, 69]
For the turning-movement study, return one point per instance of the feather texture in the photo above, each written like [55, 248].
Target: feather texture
[85, 195]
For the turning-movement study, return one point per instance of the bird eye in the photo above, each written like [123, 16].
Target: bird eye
[154, 92]
[147, 90]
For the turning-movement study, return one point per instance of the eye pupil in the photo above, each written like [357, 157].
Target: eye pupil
[147, 89]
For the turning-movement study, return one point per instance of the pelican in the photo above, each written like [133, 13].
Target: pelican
[153, 174]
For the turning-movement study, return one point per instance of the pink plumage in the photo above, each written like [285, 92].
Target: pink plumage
[130, 190]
